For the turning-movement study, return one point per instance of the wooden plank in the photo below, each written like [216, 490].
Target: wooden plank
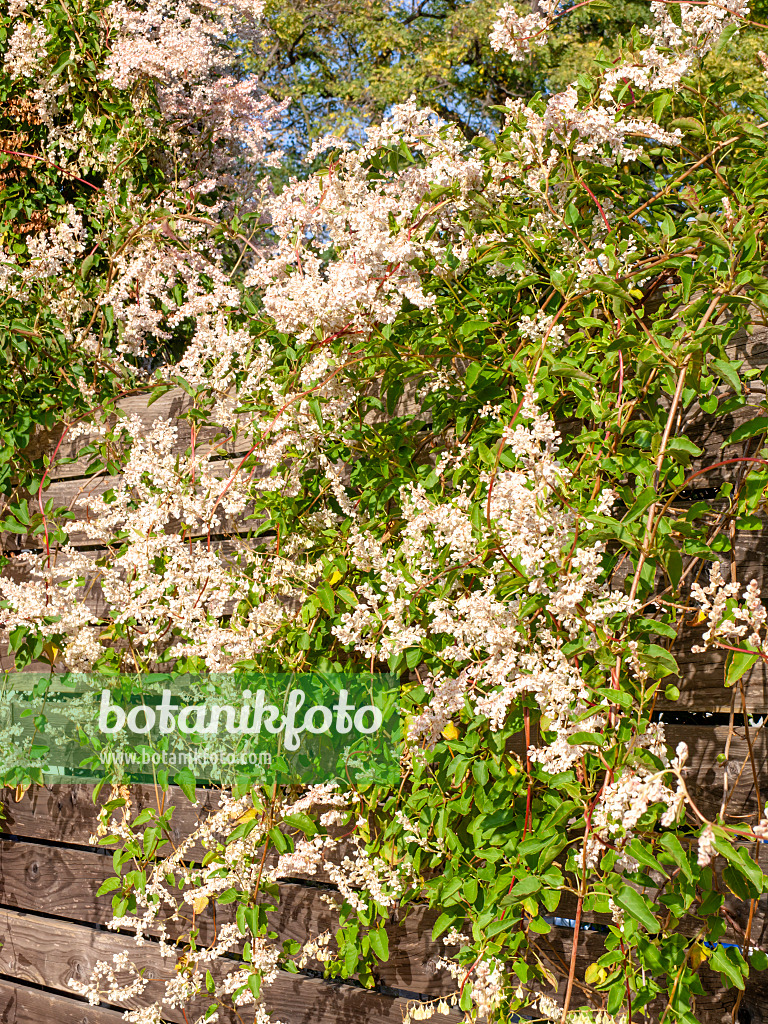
[173, 406]
[226, 549]
[301, 913]
[702, 685]
[701, 674]
[63, 882]
[706, 779]
[170, 406]
[20, 1004]
[67, 813]
[68, 494]
[50, 952]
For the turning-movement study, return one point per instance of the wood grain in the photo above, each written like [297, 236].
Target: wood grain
[70, 495]
[714, 1007]
[63, 883]
[701, 679]
[171, 406]
[174, 405]
[20, 1004]
[67, 813]
[51, 952]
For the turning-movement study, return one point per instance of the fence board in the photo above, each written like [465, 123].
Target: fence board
[63, 883]
[50, 952]
[20, 1004]
[173, 405]
[67, 813]
[714, 1007]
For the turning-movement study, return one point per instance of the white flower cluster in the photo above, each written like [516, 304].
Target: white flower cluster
[182, 47]
[624, 802]
[373, 270]
[601, 131]
[492, 656]
[26, 51]
[727, 621]
[517, 34]
[701, 24]
[542, 328]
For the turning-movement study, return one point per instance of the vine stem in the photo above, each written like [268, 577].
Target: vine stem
[48, 163]
[574, 951]
[579, 905]
[40, 493]
[659, 461]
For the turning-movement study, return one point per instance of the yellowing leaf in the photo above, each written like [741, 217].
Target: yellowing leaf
[51, 651]
[531, 906]
[699, 954]
[248, 815]
[335, 577]
[199, 904]
[595, 974]
[450, 732]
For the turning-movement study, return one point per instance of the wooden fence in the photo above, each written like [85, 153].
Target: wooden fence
[52, 925]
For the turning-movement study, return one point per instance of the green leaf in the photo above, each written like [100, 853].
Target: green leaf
[109, 885]
[610, 287]
[254, 984]
[643, 856]
[186, 782]
[725, 37]
[739, 859]
[636, 906]
[642, 502]
[719, 961]
[729, 372]
[659, 659]
[380, 943]
[683, 445]
[526, 886]
[660, 104]
[674, 847]
[739, 662]
[594, 739]
[687, 124]
[303, 822]
[624, 700]
[755, 426]
[413, 657]
[324, 595]
[442, 924]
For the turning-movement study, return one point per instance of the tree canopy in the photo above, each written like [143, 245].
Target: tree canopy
[342, 64]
